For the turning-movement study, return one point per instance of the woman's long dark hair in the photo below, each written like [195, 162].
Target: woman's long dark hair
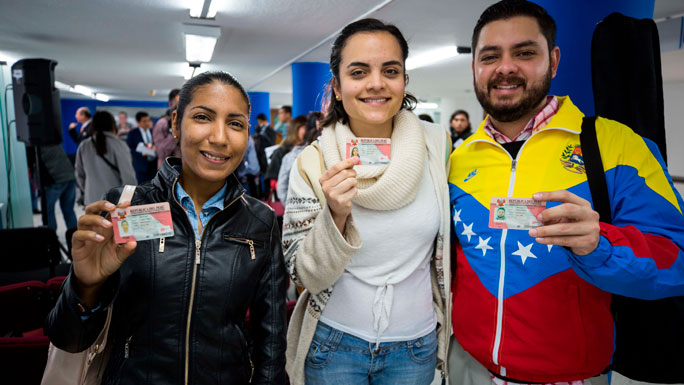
[102, 122]
[335, 110]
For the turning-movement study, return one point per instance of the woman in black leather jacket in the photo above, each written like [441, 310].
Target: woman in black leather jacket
[179, 303]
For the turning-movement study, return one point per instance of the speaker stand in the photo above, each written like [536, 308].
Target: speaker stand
[41, 187]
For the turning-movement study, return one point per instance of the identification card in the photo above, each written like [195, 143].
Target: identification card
[139, 223]
[371, 151]
[515, 213]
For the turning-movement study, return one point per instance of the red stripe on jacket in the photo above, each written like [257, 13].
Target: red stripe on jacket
[662, 250]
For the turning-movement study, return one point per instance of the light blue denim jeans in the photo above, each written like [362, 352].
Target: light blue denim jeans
[338, 358]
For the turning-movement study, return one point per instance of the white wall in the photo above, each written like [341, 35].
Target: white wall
[673, 94]
[466, 102]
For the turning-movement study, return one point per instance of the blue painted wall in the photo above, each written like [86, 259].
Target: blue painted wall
[308, 86]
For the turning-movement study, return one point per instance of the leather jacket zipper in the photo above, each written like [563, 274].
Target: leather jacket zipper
[244, 241]
[198, 246]
[127, 347]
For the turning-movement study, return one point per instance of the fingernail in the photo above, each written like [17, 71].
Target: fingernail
[99, 237]
[539, 217]
[109, 206]
[540, 240]
[533, 233]
[537, 196]
[106, 222]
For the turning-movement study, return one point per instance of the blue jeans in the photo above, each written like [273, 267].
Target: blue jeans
[66, 194]
[338, 358]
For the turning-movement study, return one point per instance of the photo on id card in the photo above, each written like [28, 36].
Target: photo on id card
[371, 151]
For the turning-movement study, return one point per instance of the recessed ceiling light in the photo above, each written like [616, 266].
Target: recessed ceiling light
[431, 57]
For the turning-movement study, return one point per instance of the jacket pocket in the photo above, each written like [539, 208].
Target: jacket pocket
[251, 243]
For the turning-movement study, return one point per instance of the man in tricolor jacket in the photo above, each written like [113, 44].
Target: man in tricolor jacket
[533, 306]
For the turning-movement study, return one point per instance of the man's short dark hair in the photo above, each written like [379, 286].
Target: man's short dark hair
[261, 116]
[507, 9]
[174, 92]
[86, 112]
[140, 115]
[287, 109]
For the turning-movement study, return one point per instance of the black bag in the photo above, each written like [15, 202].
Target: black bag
[649, 341]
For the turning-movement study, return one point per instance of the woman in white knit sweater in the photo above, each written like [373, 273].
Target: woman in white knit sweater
[369, 243]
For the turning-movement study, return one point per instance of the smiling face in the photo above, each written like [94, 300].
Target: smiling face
[513, 68]
[371, 82]
[213, 134]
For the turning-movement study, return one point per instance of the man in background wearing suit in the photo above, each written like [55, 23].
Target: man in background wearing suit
[142, 148]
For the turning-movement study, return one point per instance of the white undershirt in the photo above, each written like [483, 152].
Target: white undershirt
[410, 230]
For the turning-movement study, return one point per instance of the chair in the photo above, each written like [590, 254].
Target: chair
[24, 307]
[28, 254]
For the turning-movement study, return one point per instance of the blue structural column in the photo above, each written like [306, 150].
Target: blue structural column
[308, 86]
[576, 21]
[260, 105]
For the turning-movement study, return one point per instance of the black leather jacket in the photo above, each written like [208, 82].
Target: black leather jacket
[201, 289]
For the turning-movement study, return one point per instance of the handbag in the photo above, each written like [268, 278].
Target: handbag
[86, 367]
[83, 368]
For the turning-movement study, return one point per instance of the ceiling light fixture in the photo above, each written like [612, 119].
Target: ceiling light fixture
[431, 57]
[102, 97]
[203, 9]
[83, 90]
[200, 41]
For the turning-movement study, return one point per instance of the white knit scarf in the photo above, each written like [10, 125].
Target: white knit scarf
[382, 187]
[389, 187]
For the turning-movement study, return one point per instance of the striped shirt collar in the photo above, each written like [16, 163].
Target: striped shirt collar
[535, 124]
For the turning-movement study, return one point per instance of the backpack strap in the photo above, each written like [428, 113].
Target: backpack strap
[311, 166]
[593, 164]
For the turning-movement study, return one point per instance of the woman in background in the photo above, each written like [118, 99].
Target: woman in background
[103, 161]
[295, 134]
[311, 133]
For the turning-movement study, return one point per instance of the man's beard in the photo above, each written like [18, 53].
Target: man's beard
[531, 98]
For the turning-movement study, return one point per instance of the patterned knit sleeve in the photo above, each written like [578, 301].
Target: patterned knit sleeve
[315, 251]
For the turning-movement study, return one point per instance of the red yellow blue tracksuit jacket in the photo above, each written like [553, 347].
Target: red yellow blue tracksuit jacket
[536, 312]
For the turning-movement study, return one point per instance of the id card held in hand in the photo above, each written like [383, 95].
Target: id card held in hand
[139, 223]
[515, 213]
[371, 151]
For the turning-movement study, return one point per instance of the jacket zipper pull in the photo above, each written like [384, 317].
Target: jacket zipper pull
[198, 244]
[127, 350]
[162, 243]
[514, 164]
[251, 248]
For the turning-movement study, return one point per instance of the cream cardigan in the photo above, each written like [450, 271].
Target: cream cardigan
[316, 253]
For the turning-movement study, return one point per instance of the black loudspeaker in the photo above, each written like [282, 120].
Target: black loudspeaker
[36, 102]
